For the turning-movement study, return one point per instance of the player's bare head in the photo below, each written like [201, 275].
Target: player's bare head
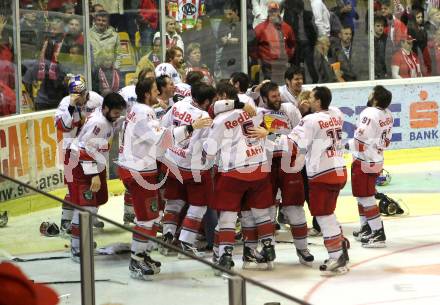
[146, 91]
[270, 94]
[146, 73]
[112, 106]
[203, 94]
[381, 97]
[174, 56]
[165, 85]
[240, 80]
[294, 78]
[320, 98]
[225, 91]
[193, 77]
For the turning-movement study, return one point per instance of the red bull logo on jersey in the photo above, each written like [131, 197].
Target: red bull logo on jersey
[333, 122]
[240, 120]
[182, 116]
[279, 124]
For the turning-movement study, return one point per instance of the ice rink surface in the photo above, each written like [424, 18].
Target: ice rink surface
[407, 271]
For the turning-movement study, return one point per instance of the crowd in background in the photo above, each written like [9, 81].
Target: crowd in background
[327, 38]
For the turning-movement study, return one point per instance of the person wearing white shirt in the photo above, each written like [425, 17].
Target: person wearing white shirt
[322, 17]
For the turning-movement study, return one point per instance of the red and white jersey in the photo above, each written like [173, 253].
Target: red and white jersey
[70, 124]
[287, 96]
[144, 140]
[186, 155]
[279, 122]
[319, 137]
[372, 135]
[168, 70]
[186, 12]
[93, 143]
[181, 91]
[129, 95]
[237, 155]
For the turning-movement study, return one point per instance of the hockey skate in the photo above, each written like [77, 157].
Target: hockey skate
[268, 252]
[252, 259]
[128, 218]
[345, 247]
[65, 228]
[305, 257]
[188, 248]
[168, 238]
[375, 240]
[333, 266]
[312, 232]
[365, 230]
[143, 267]
[225, 261]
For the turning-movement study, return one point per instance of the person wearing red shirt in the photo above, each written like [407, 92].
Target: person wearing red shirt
[148, 21]
[270, 35]
[405, 63]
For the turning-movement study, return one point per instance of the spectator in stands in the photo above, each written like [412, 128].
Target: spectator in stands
[7, 71]
[31, 30]
[322, 17]
[74, 35]
[203, 34]
[433, 23]
[94, 9]
[259, 10]
[173, 39]
[151, 59]
[322, 63]
[148, 21]
[106, 78]
[434, 51]
[104, 39]
[346, 11]
[405, 63]
[68, 9]
[396, 29]
[7, 100]
[342, 50]
[301, 21]
[75, 61]
[380, 43]
[194, 62]
[416, 28]
[275, 44]
[46, 72]
[228, 36]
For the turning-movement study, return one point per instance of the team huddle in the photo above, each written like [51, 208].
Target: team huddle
[244, 153]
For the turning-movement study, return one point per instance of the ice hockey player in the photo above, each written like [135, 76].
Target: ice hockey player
[189, 181]
[371, 138]
[90, 152]
[144, 140]
[242, 182]
[280, 118]
[69, 118]
[172, 66]
[318, 137]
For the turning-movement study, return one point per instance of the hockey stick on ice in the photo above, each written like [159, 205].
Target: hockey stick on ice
[79, 282]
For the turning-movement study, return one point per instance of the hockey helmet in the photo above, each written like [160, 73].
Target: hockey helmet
[384, 178]
[49, 229]
[77, 84]
[388, 206]
[3, 219]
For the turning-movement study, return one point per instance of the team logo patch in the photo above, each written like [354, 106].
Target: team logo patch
[154, 205]
[189, 9]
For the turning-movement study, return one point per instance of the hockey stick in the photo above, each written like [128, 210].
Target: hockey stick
[25, 260]
[79, 282]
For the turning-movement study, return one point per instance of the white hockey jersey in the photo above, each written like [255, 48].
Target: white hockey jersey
[182, 91]
[93, 143]
[237, 154]
[129, 95]
[168, 70]
[70, 124]
[319, 137]
[186, 155]
[372, 136]
[144, 140]
[287, 97]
